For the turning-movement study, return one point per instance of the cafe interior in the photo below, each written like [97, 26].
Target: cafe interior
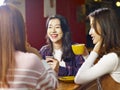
[35, 13]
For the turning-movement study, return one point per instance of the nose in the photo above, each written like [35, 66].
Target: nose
[90, 32]
[53, 29]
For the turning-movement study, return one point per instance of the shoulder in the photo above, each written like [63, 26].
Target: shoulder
[111, 56]
[26, 59]
[44, 48]
[33, 50]
[110, 59]
[24, 55]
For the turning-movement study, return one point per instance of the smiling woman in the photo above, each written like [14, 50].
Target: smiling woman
[58, 45]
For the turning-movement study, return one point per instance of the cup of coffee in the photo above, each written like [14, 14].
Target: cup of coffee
[78, 49]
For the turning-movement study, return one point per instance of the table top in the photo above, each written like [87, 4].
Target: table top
[67, 86]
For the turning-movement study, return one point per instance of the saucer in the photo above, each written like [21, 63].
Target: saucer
[67, 78]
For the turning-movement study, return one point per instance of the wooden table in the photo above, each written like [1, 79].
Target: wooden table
[67, 86]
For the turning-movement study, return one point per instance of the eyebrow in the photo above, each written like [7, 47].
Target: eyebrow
[55, 25]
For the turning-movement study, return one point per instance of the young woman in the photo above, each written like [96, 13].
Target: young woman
[105, 33]
[59, 46]
[20, 70]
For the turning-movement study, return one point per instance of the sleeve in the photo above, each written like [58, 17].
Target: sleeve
[62, 71]
[33, 50]
[42, 51]
[47, 79]
[45, 51]
[89, 72]
[79, 60]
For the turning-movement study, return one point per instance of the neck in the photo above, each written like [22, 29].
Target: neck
[57, 45]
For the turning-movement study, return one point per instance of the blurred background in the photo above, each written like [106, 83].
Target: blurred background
[35, 13]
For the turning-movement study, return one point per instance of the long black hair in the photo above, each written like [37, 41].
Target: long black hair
[66, 39]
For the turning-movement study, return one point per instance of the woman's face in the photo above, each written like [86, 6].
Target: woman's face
[54, 30]
[95, 36]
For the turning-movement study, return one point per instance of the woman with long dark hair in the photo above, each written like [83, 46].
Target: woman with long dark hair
[105, 33]
[59, 46]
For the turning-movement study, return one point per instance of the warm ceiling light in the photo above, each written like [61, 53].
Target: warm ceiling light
[118, 3]
[97, 0]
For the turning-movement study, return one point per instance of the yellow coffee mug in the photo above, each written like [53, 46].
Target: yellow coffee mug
[78, 49]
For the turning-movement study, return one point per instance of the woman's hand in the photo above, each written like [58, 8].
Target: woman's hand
[86, 52]
[97, 46]
[54, 63]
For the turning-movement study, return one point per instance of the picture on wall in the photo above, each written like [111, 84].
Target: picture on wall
[49, 7]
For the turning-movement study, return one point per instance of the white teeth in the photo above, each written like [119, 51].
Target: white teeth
[53, 35]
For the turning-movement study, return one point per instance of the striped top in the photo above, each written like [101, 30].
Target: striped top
[32, 74]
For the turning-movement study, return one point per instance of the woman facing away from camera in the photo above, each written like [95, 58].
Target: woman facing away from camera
[20, 70]
[59, 46]
[105, 33]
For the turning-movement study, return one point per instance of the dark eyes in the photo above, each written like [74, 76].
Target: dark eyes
[58, 27]
[55, 27]
[49, 27]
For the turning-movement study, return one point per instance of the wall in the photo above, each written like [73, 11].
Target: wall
[35, 20]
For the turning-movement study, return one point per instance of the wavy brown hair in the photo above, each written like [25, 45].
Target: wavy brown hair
[12, 38]
[108, 21]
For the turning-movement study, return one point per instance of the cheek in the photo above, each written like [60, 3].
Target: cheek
[98, 38]
[48, 33]
[61, 34]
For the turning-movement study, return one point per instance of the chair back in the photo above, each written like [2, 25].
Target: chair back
[108, 83]
[103, 83]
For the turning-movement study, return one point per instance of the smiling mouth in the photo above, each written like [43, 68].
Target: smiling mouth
[54, 35]
[92, 37]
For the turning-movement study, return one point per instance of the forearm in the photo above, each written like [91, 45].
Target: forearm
[85, 66]
[50, 76]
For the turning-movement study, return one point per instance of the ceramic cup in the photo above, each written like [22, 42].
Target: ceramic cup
[78, 49]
